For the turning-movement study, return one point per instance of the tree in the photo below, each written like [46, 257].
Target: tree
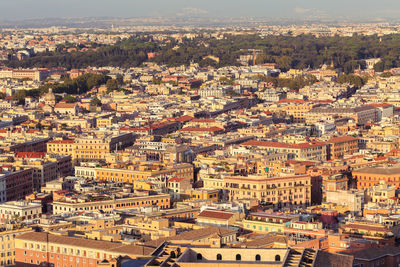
[379, 67]
[79, 85]
[156, 80]
[70, 99]
[226, 81]
[120, 79]
[284, 62]
[386, 74]
[352, 79]
[20, 97]
[263, 58]
[95, 102]
[287, 51]
[111, 85]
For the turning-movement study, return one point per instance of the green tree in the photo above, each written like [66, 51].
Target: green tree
[226, 81]
[70, 99]
[120, 79]
[379, 67]
[20, 97]
[352, 79]
[112, 85]
[95, 102]
[284, 62]
[386, 74]
[263, 58]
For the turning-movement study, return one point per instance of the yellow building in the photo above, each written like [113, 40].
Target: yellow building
[280, 191]
[316, 151]
[7, 254]
[132, 173]
[90, 147]
[38, 248]
[268, 222]
[299, 112]
[203, 194]
[213, 182]
[381, 193]
[163, 201]
[154, 228]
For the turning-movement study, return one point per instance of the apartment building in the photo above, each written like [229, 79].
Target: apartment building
[263, 222]
[132, 173]
[298, 112]
[154, 228]
[280, 191]
[42, 172]
[43, 249]
[303, 151]
[91, 148]
[7, 240]
[370, 176]
[15, 184]
[342, 145]
[352, 200]
[381, 193]
[46, 168]
[27, 145]
[361, 115]
[19, 210]
[163, 201]
[33, 74]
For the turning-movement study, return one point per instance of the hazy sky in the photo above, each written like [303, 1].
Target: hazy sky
[365, 9]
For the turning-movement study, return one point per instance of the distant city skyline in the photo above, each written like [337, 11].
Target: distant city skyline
[283, 9]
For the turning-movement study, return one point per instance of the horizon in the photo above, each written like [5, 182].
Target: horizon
[19, 10]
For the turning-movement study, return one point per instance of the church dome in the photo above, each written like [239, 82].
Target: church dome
[50, 96]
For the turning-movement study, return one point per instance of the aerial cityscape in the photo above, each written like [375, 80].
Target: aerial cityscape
[187, 133]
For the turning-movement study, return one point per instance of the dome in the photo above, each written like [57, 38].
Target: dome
[50, 96]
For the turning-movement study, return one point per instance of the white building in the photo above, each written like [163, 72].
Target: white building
[352, 198]
[19, 210]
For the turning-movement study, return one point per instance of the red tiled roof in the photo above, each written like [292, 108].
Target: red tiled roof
[203, 120]
[200, 129]
[366, 227]
[184, 118]
[307, 163]
[215, 214]
[281, 145]
[285, 100]
[159, 125]
[30, 154]
[340, 139]
[176, 179]
[62, 142]
[381, 105]
[142, 129]
[32, 131]
[65, 105]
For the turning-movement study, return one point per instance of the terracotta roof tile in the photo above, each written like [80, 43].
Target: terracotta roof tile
[215, 215]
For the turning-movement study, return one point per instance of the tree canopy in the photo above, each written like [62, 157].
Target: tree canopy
[287, 52]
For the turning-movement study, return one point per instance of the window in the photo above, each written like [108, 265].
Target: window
[277, 258]
[258, 257]
[199, 256]
[238, 257]
[219, 257]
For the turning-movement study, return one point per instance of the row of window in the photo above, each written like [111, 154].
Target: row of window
[238, 257]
